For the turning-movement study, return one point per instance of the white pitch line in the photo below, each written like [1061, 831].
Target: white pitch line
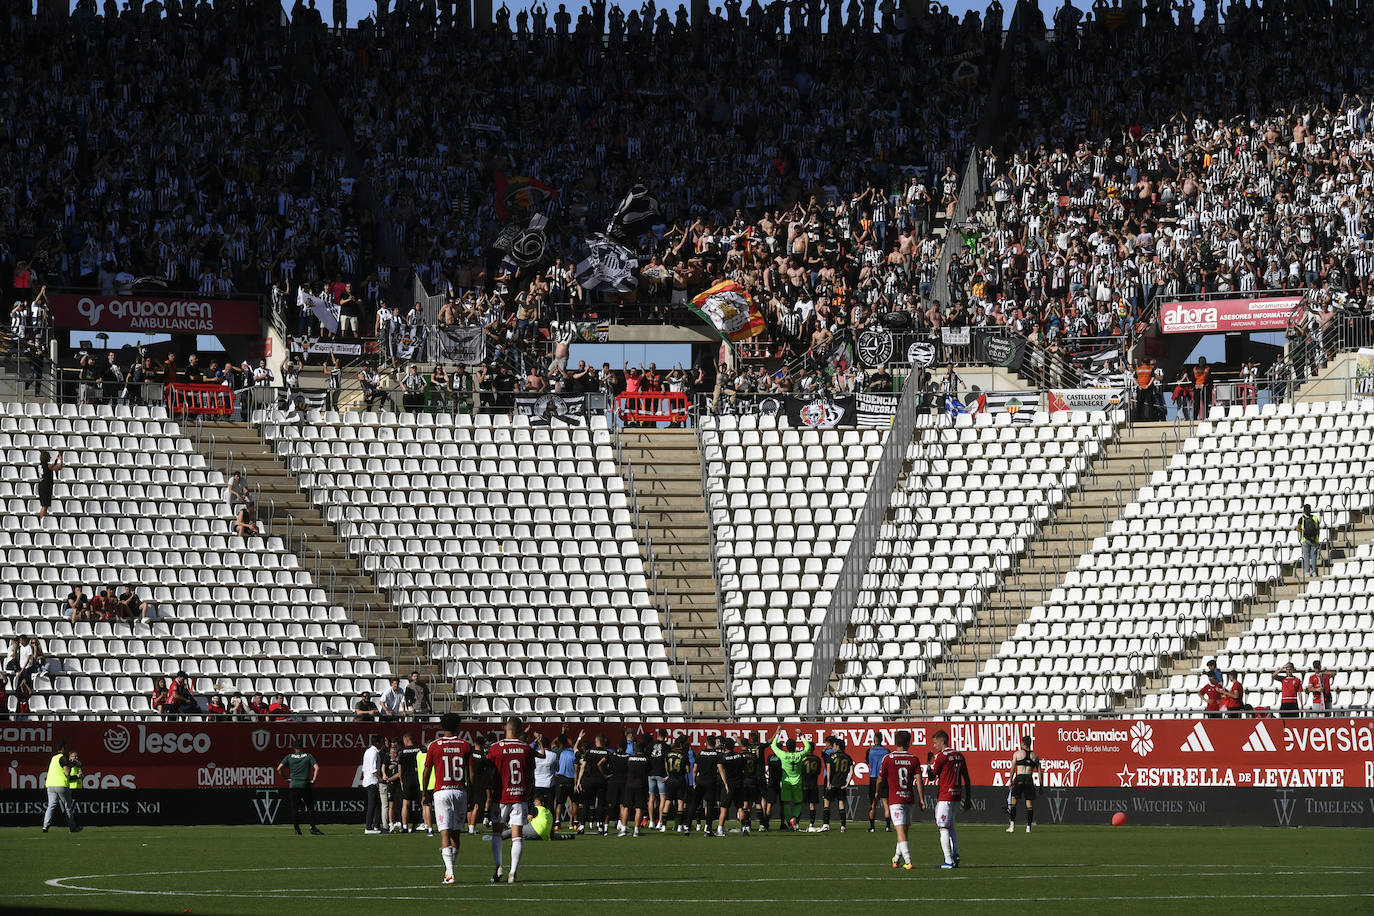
[971, 874]
[640, 899]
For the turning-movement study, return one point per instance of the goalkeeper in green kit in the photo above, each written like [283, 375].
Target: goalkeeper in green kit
[790, 792]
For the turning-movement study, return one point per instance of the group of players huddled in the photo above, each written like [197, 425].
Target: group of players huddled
[527, 790]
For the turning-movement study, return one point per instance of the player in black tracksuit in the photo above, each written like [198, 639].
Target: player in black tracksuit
[811, 766]
[677, 766]
[591, 784]
[838, 768]
[733, 765]
[634, 801]
[616, 769]
[480, 777]
[773, 800]
[755, 777]
[705, 785]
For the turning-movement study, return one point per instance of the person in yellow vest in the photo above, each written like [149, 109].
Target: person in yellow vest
[64, 774]
[426, 792]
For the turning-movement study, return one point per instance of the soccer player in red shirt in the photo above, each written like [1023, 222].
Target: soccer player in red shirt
[1289, 685]
[900, 777]
[513, 759]
[448, 759]
[1319, 687]
[949, 771]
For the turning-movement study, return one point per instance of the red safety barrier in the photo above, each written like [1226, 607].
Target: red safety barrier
[652, 407]
[207, 400]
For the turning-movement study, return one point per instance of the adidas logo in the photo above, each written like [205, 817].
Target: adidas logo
[1198, 741]
[1259, 740]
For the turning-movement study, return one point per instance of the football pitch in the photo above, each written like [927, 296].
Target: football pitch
[207, 870]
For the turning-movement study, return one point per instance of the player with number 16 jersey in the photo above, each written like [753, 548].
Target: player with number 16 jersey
[448, 761]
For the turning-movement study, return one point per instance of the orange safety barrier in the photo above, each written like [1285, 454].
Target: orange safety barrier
[652, 407]
[210, 400]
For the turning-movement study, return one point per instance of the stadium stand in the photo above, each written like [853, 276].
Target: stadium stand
[1216, 541]
[492, 535]
[237, 614]
[782, 503]
[975, 494]
[1328, 622]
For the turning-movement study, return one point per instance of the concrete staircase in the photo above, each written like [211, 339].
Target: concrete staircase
[1113, 479]
[1292, 585]
[663, 470]
[291, 516]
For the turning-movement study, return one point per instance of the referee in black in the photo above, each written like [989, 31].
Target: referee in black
[1024, 766]
[301, 770]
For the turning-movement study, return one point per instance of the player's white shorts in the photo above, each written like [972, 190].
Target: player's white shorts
[944, 813]
[450, 808]
[900, 814]
[514, 815]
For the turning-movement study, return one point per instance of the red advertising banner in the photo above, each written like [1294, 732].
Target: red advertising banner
[1219, 315]
[154, 314]
[1306, 753]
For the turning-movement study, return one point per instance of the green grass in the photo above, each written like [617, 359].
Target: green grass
[205, 870]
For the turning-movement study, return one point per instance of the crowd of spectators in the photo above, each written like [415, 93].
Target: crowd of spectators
[25, 666]
[754, 175]
[168, 141]
[1173, 158]
[408, 699]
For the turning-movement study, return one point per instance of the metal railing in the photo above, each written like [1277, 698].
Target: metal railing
[715, 572]
[867, 529]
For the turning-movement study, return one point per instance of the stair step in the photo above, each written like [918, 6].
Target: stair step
[288, 509]
[662, 469]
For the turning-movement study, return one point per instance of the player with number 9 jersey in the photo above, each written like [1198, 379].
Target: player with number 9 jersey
[514, 763]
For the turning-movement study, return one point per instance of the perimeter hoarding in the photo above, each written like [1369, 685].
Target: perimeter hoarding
[1212, 316]
[1315, 771]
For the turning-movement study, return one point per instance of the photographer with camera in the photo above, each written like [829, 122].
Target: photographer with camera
[64, 774]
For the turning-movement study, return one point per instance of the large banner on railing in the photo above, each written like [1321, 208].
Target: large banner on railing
[156, 314]
[1364, 371]
[829, 411]
[465, 346]
[1085, 398]
[541, 407]
[1218, 315]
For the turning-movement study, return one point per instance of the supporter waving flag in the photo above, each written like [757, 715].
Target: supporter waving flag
[520, 191]
[730, 310]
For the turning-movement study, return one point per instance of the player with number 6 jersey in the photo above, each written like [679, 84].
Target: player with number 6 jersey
[448, 761]
[513, 760]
